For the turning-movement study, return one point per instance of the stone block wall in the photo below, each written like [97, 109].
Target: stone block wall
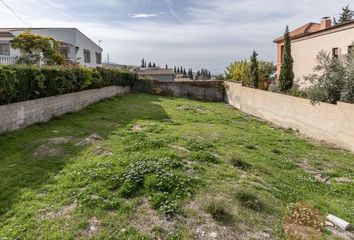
[19, 115]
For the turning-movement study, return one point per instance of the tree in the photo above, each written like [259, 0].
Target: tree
[190, 74]
[143, 63]
[154, 65]
[254, 75]
[346, 16]
[209, 75]
[174, 69]
[33, 45]
[166, 66]
[184, 73]
[333, 79]
[286, 77]
[149, 65]
[238, 71]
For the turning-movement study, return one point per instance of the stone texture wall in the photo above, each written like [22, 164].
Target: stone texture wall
[203, 90]
[327, 122]
[19, 115]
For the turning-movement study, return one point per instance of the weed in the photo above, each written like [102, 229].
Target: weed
[218, 212]
[238, 162]
[250, 146]
[203, 157]
[249, 200]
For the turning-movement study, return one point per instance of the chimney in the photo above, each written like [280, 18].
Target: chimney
[326, 22]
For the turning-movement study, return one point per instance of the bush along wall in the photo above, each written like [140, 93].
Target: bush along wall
[21, 83]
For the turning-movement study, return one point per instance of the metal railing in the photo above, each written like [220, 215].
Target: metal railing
[7, 60]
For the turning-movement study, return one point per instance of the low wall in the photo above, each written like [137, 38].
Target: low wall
[19, 115]
[327, 122]
[204, 90]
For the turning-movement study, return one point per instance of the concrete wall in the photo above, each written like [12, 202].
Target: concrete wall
[305, 49]
[204, 90]
[22, 114]
[328, 122]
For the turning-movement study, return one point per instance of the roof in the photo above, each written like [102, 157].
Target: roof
[309, 29]
[156, 72]
[301, 31]
[7, 32]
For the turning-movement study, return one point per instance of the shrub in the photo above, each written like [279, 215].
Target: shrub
[302, 214]
[218, 212]
[333, 79]
[249, 200]
[238, 162]
[21, 83]
[204, 157]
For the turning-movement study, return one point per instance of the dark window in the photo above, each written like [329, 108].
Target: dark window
[65, 52]
[281, 54]
[335, 53]
[98, 58]
[87, 56]
[351, 49]
[5, 49]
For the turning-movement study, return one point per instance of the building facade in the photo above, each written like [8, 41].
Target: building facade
[308, 40]
[74, 45]
[161, 75]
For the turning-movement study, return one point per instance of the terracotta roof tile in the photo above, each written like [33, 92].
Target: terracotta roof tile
[306, 29]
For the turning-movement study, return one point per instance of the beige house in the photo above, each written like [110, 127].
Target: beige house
[310, 39]
[159, 74]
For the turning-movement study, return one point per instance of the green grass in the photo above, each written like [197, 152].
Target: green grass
[153, 182]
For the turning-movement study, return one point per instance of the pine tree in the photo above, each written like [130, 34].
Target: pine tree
[166, 66]
[286, 77]
[184, 73]
[209, 75]
[175, 70]
[154, 65]
[346, 16]
[149, 65]
[254, 76]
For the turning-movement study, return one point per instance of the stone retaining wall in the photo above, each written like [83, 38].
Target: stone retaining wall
[19, 115]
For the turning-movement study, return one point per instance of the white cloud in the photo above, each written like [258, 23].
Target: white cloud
[212, 33]
[144, 15]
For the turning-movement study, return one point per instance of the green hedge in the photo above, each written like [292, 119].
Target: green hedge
[20, 83]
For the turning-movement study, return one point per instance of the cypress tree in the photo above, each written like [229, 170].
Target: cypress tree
[154, 65]
[174, 69]
[149, 65]
[184, 73]
[143, 63]
[254, 76]
[166, 66]
[286, 77]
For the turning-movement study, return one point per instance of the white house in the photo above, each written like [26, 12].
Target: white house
[308, 40]
[75, 46]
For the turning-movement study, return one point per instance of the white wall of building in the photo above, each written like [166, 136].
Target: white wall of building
[72, 36]
[305, 49]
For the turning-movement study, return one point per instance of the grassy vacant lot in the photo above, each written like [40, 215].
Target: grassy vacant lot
[149, 167]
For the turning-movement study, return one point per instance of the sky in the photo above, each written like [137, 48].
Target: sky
[191, 33]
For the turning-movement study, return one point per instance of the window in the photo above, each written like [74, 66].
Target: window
[98, 58]
[5, 49]
[351, 49]
[87, 56]
[65, 52]
[335, 53]
[281, 54]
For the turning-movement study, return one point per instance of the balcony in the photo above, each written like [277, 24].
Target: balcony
[7, 60]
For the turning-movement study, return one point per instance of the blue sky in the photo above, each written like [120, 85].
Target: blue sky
[192, 33]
